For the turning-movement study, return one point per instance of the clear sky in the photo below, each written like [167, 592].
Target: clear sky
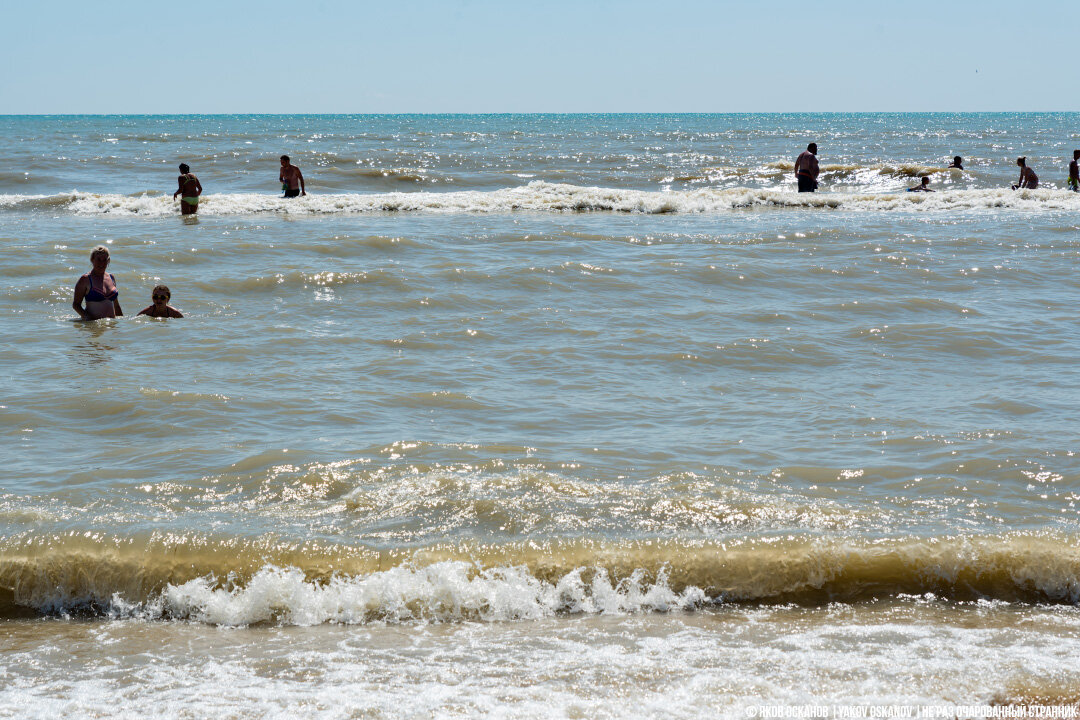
[335, 56]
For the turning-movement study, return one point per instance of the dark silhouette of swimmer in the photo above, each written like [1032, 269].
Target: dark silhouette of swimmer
[806, 169]
[1028, 178]
[189, 189]
[957, 163]
[924, 187]
[291, 179]
[1074, 172]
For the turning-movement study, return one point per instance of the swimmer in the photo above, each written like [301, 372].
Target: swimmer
[925, 187]
[98, 289]
[957, 163]
[291, 179]
[161, 308]
[806, 169]
[1074, 172]
[1028, 178]
[189, 189]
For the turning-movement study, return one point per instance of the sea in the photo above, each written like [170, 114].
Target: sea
[540, 416]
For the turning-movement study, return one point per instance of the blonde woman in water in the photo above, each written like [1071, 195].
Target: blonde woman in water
[97, 289]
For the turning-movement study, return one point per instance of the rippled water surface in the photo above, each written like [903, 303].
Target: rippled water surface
[539, 416]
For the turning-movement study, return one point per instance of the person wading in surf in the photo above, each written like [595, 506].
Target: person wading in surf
[957, 163]
[1074, 172]
[1028, 178]
[806, 169]
[925, 187]
[291, 179]
[98, 289]
[189, 189]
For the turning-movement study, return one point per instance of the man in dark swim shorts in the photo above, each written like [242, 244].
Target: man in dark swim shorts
[291, 179]
[806, 169]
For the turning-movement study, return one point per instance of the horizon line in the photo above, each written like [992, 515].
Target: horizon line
[538, 113]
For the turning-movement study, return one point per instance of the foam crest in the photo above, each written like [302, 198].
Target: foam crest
[441, 592]
[540, 196]
[233, 583]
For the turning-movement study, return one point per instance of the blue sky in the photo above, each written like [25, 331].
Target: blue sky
[326, 56]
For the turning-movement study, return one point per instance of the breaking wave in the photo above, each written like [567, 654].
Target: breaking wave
[540, 196]
[236, 582]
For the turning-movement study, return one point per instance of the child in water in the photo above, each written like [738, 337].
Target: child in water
[161, 307]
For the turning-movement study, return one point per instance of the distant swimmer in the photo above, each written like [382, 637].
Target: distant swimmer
[957, 163]
[924, 187]
[1074, 172]
[161, 308]
[98, 289]
[806, 169]
[189, 189]
[291, 179]
[1028, 178]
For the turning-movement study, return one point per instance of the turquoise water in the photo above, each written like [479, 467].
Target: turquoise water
[539, 415]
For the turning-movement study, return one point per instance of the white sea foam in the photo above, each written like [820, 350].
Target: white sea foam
[444, 591]
[540, 196]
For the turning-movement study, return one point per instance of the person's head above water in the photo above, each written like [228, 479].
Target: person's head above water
[1076, 154]
[100, 254]
[161, 294]
[184, 168]
[925, 180]
[1021, 161]
[285, 160]
[812, 147]
[958, 160]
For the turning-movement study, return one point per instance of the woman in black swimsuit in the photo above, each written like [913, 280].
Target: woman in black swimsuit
[98, 289]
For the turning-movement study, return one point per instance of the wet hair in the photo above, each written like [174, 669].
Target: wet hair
[1021, 160]
[925, 179]
[958, 160]
[184, 168]
[1076, 152]
[285, 158]
[812, 147]
[161, 290]
[99, 250]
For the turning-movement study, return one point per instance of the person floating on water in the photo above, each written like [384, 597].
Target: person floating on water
[806, 169]
[1074, 172]
[957, 163]
[292, 180]
[1028, 178]
[98, 289]
[924, 187]
[161, 308]
[189, 189]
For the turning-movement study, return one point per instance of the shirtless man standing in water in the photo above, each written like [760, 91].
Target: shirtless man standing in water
[291, 179]
[189, 189]
[1074, 172]
[806, 169]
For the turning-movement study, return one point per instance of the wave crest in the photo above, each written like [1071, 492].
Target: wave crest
[237, 583]
[540, 196]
